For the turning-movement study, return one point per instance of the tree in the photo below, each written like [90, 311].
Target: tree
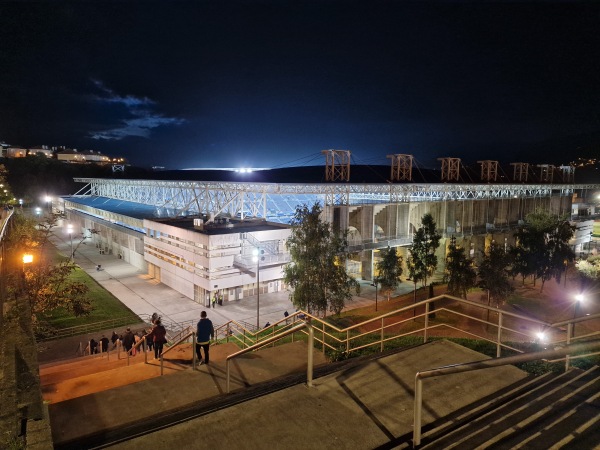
[422, 260]
[459, 272]
[493, 274]
[542, 249]
[317, 272]
[389, 270]
[589, 273]
[45, 285]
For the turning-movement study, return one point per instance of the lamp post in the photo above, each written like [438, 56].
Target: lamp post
[48, 203]
[70, 232]
[376, 284]
[256, 258]
[579, 298]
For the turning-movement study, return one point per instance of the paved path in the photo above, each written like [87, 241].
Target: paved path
[145, 295]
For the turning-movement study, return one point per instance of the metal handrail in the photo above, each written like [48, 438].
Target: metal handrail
[175, 344]
[484, 364]
[309, 369]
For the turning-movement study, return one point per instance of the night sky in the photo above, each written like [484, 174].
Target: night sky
[272, 83]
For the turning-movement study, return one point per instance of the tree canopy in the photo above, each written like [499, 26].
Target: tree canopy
[317, 275]
[422, 260]
[389, 270]
[542, 250]
[459, 272]
[493, 273]
[45, 284]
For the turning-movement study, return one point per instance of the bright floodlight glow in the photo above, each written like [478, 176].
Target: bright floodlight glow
[580, 298]
[48, 198]
[541, 336]
[69, 228]
[27, 258]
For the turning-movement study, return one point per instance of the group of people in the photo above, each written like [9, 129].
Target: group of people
[156, 338]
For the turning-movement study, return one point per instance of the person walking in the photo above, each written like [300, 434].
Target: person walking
[158, 335]
[204, 333]
[128, 340]
[104, 344]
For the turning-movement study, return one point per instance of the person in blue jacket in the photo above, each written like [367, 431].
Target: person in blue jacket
[204, 333]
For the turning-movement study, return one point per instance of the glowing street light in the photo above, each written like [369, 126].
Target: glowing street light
[579, 299]
[48, 202]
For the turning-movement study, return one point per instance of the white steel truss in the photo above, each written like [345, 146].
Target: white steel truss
[278, 201]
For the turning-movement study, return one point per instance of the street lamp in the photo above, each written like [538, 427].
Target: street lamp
[579, 298]
[256, 258]
[48, 202]
[38, 211]
[376, 284]
[27, 259]
[70, 232]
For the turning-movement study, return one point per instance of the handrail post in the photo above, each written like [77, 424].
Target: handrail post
[426, 322]
[194, 344]
[323, 336]
[347, 342]
[228, 331]
[311, 343]
[381, 337]
[227, 370]
[128, 352]
[417, 410]
[161, 365]
[119, 349]
[499, 339]
[145, 350]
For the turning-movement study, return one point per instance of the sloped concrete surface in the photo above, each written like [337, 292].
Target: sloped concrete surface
[363, 406]
[138, 400]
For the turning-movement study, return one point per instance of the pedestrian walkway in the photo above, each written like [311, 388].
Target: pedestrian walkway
[145, 295]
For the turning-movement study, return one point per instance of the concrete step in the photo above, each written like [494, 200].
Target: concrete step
[547, 425]
[542, 412]
[463, 417]
[363, 403]
[80, 378]
[86, 365]
[138, 403]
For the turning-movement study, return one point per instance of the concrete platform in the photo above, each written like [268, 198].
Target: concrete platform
[363, 406]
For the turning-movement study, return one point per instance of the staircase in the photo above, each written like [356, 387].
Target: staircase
[553, 411]
[360, 403]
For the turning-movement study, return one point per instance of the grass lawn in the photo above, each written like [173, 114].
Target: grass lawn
[106, 306]
[596, 229]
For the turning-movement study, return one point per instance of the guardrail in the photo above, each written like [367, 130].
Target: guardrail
[309, 369]
[89, 328]
[487, 363]
[175, 344]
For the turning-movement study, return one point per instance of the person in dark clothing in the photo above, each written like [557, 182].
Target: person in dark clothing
[114, 338]
[104, 344]
[149, 341]
[128, 340]
[159, 338]
[93, 347]
[204, 333]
